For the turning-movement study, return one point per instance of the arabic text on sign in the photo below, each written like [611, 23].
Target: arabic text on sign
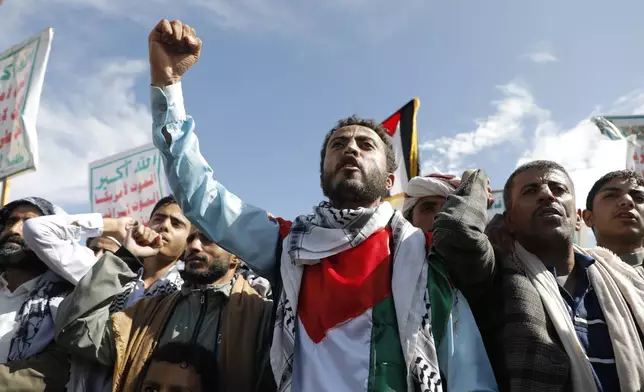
[14, 74]
[130, 208]
[137, 187]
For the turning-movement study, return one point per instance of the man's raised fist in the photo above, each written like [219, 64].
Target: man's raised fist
[174, 48]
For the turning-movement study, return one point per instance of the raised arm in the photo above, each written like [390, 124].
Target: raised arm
[459, 239]
[240, 228]
[56, 241]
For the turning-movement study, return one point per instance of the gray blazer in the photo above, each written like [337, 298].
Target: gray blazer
[523, 347]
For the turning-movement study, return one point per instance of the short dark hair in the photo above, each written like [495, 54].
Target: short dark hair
[162, 203]
[378, 128]
[629, 175]
[202, 360]
[539, 165]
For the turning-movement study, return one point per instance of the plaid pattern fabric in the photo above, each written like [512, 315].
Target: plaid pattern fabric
[521, 342]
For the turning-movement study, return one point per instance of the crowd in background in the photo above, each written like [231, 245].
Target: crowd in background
[214, 294]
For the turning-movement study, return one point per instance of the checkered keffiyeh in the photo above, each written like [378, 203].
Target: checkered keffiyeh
[316, 236]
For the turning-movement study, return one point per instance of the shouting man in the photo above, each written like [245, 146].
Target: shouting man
[554, 317]
[356, 289]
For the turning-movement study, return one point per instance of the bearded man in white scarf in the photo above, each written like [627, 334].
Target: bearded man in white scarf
[359, 308]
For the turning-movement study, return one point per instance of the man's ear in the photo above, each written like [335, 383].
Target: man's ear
[578, 220]
[390, 181]
[588, 218]
[234, 261]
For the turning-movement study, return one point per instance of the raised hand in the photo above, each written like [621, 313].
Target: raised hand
[118, 228]
[142, 241]
[490, 199]
[174, 49]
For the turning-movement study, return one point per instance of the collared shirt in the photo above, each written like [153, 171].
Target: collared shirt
[10, 304]
[590, 325]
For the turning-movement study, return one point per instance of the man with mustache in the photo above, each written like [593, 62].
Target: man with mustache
[554, 317]
[215, 308]
[615, 213]
[56, 241]
[359, 308]
[30, 295]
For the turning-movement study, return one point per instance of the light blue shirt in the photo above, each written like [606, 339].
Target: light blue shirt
[246, 231]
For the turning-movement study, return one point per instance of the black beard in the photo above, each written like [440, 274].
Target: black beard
[215, 271]
[347, 190]
[15, 254]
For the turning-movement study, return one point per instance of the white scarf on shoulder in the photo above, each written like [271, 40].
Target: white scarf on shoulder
[620, 291]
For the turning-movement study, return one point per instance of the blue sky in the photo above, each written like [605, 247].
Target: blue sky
[499, 81]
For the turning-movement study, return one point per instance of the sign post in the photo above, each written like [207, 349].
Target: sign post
[5, 191]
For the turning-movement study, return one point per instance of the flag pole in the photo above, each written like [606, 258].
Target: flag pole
[6, 185]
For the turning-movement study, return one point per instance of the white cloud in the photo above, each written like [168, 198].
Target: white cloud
[97, 113]
[95, 116]
[541, 53]
[582, 149]
[316, 22]
[518, 119]
[506, 124]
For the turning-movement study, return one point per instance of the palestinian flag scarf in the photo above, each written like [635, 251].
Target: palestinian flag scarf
[355, 311]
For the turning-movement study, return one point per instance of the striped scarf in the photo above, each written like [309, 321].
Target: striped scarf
[330, 231]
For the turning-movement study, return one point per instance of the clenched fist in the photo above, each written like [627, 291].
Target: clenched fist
[142, 241]
[174, 48]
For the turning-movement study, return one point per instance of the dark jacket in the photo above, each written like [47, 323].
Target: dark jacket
[523, 346]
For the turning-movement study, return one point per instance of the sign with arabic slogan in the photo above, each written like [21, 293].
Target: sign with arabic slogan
[127, 184]
[22, 72]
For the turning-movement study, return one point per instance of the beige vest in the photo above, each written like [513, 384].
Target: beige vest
[137, 331]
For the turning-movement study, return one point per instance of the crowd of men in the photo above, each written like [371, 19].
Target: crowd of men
[214, 294]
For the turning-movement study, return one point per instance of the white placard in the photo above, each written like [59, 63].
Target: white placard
[22, 72]
[127, 184]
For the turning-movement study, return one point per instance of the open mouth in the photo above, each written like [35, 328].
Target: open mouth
[549, 213]
[626, 216]
[196, 259]
[350, 167]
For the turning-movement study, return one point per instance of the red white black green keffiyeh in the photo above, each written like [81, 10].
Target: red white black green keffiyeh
[330, 231]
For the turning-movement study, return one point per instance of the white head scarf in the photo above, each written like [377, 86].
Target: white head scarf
[435, 184]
